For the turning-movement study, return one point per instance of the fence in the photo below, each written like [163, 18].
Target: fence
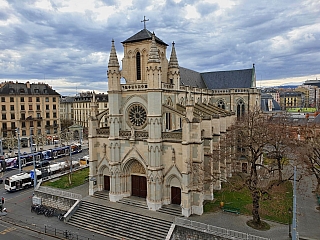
[47, 230]
[218, 231]
[60, 193]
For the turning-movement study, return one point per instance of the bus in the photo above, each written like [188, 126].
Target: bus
[25, 180]
[20, 181]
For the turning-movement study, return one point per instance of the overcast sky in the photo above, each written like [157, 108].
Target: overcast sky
[66, 43]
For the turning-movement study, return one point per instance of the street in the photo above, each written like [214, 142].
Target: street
[20, 223]
[3, 175]
[9, 231]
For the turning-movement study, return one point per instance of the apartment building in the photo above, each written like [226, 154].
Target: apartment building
[81, 107]
[292, 99]
[31, 107]
[66, 108]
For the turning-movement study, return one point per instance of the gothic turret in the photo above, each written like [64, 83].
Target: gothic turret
[113, 72]
[153, 54]
[173, 63]
[154, 66]
[173, 68]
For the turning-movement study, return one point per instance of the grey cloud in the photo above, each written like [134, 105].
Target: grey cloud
[57, 45]
[206, 8]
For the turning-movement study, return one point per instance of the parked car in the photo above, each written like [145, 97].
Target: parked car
[43, 164]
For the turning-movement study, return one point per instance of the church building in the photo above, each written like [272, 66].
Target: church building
[163, 126]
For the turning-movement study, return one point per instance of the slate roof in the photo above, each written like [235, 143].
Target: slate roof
[67, 99]
[144, 34]
[265, 103]
[228, 79]
[15, 88]
[217, 80]
[191, 78]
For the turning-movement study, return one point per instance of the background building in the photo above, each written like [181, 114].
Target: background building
[28, 106]
[292, 99]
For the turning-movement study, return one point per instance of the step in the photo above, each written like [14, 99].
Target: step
[121, 229]
[101, 195]
[118, 223]
[114, 218]
[175, 211]
[89, 205]
[134, 203]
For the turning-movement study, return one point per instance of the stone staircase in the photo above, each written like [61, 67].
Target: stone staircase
[174, 210]
[134, 202]
[102, 195]
[118, 223]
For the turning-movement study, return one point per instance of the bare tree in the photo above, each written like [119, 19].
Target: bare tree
[280, 143]
[65, 123]
[249, 139]
[308, 150]
[68, 137]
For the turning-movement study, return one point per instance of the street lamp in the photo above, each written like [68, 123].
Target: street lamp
[290, 216]
[294, 208]
[1, 149]
[80, 137]
[34, 163]
[19, 159]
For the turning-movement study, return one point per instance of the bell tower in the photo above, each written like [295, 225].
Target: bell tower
[115, 117]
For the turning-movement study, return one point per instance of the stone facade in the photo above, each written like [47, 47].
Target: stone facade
[161, 133]
[182, 233]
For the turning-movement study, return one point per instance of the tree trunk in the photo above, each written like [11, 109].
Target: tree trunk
[279, 169]
[255, 207]
[70, 179]
[255, 195]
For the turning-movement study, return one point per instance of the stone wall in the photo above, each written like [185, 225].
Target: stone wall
[182, 233]
[58, 202]
[55, 198]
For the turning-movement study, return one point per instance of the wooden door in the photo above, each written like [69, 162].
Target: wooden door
[143, 187]
[106, 182]
[138, 186]
[175, 195]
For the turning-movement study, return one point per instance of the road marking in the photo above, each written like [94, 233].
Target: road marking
[10, 229]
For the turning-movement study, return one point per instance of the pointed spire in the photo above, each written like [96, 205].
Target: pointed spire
[173, 63]
[113, 59]
[153, 54]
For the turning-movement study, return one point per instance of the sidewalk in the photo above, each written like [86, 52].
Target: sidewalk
[19, 213]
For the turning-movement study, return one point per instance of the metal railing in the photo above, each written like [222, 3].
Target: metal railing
[48, 230]
[217, 231]
[60, 193]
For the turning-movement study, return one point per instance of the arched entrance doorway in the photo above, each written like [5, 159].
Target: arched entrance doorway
[138, 179]
[175, 195]
[106, 182]
[138, 186]
[104, 178]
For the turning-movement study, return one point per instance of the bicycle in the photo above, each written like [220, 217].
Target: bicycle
[68, 235]
[49, 212]
[61, 216]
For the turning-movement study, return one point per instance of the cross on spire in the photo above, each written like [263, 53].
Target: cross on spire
[144, 21]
